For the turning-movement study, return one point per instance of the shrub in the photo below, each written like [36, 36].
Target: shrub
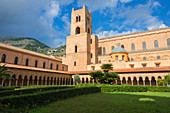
[6, 88]
[31, 100]
[127, 88]
[32, 90]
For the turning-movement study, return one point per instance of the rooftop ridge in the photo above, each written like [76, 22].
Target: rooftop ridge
[134, 33]
[29, 52]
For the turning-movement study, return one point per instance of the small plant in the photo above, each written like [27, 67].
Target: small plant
[76, 78]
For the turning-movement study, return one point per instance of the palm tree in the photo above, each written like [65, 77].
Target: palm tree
[107, 67]
[5, 73]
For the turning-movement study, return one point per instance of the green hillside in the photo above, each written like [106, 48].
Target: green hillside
[33, 45]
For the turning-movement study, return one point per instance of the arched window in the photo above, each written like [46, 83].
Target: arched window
[144, 58]
[16, 60]
[74, 63]
[104, 51]
[132, 59]
[133, 46]
[113, 47]
[27, 62]
[51, 66]
[3, 59]
[156, 44]
[168, 42]
[88, 30]
[144, 45]
[36, 63]
[78, 30]
[158, 57]
[91, 55]
[79, 18]
[57, 67]
[122, 46]
[75, 49]
[44, 65]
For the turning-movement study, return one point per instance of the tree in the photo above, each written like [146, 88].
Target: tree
[167, 79]
[96, 75]
[109, 77]
[76, 78]
[107, 67]
[164, 81]
[5, 73]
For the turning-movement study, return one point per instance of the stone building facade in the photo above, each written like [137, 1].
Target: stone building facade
[139, 58]
[31, 68]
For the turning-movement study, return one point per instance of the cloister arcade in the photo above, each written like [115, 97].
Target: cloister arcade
[28, 78]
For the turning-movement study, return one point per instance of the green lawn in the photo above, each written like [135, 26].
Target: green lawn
[116, 102]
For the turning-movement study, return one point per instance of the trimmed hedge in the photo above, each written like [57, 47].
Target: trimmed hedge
[135, 89]
[32, 100]
[31, 90]
[6, 88]
[127, 88]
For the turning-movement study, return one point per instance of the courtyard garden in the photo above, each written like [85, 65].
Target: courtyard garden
[85, 98]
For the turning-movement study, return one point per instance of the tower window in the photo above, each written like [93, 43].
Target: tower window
[144, 58]
[3, 59]
[16, 60]
[144, 66]
[133, 46]
[113, 47]
[79, 18]
[132, 59]
[99, 61]
[91, 41]
[57, 67]
[156, 44]
[157, 65]
[36, 63]
[104, 51]
[44, 65]
[91, 55]
[158, 57]
[122, 46]
[88, 30]
[168, 42]
[123, 57]
[74, 63]
[27, 62]
[78, 30]
[117, 58]
[144, 45]
[51, 66]
[75, 49]
[132, 66]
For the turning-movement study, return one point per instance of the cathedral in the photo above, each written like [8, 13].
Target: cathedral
[139, 58]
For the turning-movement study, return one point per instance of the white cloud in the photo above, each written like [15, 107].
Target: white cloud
[125, 1]
[32, 18]
[140, 16]
[66, 20]
[114, 33]
[99, 29]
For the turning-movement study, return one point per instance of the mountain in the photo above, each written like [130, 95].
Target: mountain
[33, 45]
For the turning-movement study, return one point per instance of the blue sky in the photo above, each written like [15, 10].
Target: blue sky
[49, 20]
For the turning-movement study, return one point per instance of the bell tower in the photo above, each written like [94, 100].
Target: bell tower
[79, 43]
[81, 21]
